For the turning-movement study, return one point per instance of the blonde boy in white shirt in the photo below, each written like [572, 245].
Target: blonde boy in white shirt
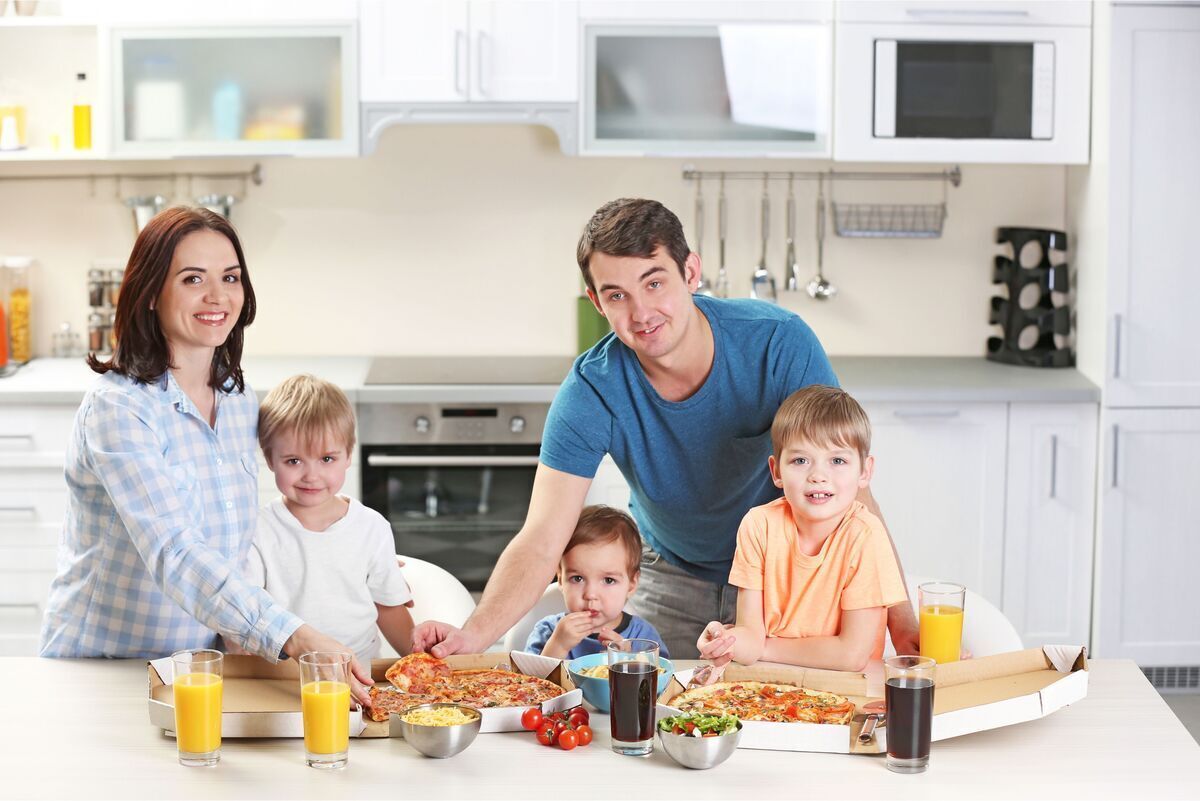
[330, 560]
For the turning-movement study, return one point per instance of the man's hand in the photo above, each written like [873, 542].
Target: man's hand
[570, 631]
[306, 639]
[442, 639]
[716, 643]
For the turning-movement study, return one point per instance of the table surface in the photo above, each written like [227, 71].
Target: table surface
[80, 729]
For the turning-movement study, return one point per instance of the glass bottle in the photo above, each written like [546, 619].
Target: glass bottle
[82, 113]
[115, 277]
[97, 287]
[19, 306]
[97, 335]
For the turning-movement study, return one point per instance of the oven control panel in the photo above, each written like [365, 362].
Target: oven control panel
[439, 424]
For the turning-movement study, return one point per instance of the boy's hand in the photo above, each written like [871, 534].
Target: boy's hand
[570, 631]
[716, 643]
[607, 635]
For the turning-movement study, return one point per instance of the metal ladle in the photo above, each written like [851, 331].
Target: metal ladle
[704, 286]
[792, 282]
[762, 283]
[721, 290]
[820, 288]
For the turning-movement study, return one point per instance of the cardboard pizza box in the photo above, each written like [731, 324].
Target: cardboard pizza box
[971, 695]
[261, 699]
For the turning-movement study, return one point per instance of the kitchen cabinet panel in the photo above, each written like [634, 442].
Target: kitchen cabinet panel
[939, 480]
[414, 50]
[1049, 522]
[1148, 551]
[525, 50]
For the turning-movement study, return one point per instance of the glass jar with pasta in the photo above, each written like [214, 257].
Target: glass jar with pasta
[19, 308]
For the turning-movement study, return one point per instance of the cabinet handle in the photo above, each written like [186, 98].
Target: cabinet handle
[944, 414]
[1116, 346]
[17, 436]
[965, 14]
[1116, 455]
[1053, 465]
[460, 39]
[480, 67]
[29, 510]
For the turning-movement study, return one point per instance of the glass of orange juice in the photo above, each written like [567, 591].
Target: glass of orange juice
[197, 690]
[325, 704]
[941, 604]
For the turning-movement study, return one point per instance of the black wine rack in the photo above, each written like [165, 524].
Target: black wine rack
[1016, 313]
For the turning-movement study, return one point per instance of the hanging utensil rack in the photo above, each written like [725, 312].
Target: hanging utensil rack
[247, 177]
[865, 220]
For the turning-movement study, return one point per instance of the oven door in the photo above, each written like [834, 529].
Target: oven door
[456, 506]
[973, 93]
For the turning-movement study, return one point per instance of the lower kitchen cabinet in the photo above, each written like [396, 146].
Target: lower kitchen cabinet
[1049, 521]
[1148, 546]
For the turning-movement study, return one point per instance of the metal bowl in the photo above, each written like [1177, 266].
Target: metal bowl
[440, 741]
[700, 753]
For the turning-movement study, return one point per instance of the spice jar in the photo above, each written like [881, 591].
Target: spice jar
[112, 332]
[97, 287]
[97, 333]
[19, 304]
[115, 277]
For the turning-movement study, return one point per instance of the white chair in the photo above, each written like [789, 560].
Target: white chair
[437, 595]
[986, 630]
[551, 603]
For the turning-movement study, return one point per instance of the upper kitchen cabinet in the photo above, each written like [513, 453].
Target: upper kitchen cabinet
[979, 81]
[1152, 195]
[748, 79]
[469, 50]
[285, 89]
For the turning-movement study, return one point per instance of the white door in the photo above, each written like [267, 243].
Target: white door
[939, 481]
[1049, 524]
[525, 50]
[414, 51]
[1155, 194]
[1149, 546]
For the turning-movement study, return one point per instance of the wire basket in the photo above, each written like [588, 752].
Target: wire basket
[889, 220]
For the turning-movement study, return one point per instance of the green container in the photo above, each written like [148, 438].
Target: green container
[590, 325]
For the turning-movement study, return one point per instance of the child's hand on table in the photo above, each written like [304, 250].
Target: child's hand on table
[716, 643]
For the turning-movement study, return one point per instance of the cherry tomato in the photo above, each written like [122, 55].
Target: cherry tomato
[557, 716]
[568, 740]
[560, 726]
[578, 716]
[531, 719]
[545, 734]
[584, 733]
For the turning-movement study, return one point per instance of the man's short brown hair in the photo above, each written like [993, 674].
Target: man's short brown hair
[309, 407]
[823, 416]
[604, 524]
[631, 227]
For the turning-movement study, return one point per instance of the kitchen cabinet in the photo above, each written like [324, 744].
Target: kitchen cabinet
[234, 90]
[469, 51]
[1153, 195]
[1049, 521]
[1149, 550]
[33, 499]
[939, 481]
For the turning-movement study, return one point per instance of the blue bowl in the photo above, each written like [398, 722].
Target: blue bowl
[595, 691]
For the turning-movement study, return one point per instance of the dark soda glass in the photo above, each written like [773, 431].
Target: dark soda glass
[631, 687]
[909, 718]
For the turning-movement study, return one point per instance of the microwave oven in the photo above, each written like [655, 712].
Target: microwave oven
[967, 87]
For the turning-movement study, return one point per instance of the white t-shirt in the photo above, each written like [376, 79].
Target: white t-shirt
[330, 579]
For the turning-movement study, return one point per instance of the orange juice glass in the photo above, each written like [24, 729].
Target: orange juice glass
[197, 695]
[325, 705]
[941, 604]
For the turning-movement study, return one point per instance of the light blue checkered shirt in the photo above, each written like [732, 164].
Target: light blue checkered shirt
[161, 512]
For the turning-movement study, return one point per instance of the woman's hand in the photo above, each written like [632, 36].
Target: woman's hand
[306, 639]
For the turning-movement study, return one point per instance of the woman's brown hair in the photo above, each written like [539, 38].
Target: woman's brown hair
[141, 351]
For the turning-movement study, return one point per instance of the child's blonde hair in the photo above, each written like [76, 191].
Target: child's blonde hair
[309, 407]
[823, 416]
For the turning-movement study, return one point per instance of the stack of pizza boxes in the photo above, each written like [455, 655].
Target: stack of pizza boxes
[262, 699]
[969, 696]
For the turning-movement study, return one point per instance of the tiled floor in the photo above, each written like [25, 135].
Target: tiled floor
[1186, 707]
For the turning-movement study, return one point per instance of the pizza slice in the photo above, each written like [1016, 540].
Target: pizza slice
[417, 673]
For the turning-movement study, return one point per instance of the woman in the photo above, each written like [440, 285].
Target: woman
[161, 467]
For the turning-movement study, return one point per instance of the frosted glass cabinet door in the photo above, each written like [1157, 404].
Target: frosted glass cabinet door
[235, 91]
[737, 89]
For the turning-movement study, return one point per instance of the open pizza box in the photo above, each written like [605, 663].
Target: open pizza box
[261, 699]
[972, 695]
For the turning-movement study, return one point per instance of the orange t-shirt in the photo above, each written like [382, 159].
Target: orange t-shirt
[804, 596]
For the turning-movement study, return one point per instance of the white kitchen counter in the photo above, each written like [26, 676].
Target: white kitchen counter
[80, 729]
[950, 379]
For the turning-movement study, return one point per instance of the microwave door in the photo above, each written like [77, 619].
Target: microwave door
[1042, 126]
[885, 88]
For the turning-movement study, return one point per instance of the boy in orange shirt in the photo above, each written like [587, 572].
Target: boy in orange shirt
[814, 569]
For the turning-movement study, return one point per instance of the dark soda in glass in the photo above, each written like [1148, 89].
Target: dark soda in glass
[631, 688]
[909, 717]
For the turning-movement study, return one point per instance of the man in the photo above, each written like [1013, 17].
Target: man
[682, 395]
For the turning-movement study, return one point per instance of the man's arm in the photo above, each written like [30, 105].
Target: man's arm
[901, 622]
[523, 571]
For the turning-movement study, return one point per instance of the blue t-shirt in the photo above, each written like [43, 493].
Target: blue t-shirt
[631, 627]
[694, 467]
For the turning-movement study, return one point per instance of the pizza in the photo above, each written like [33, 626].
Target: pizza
[754, 700]
[423, 679]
